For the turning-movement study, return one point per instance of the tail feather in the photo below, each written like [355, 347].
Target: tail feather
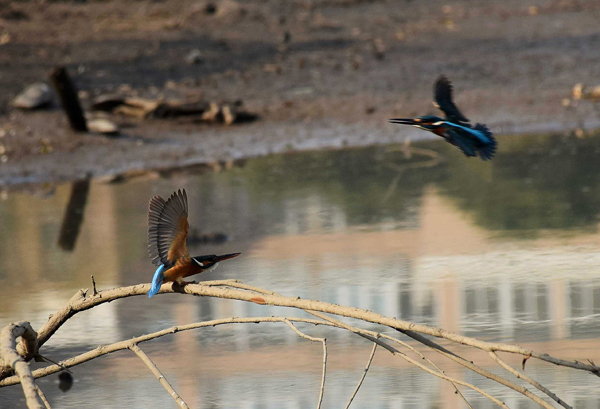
[157, 280]
[487, 149]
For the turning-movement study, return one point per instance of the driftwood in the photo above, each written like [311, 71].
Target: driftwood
[69, 100]
[14, 356]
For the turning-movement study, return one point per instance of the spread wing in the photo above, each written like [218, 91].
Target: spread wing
[168, 229]
[443, 100]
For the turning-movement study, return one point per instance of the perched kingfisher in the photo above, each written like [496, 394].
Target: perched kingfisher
[456, 129]
[167, 235]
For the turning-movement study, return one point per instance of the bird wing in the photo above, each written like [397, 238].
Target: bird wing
[168, 228]
[442, 92]
[465, 144]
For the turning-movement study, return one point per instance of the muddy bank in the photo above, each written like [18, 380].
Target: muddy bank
[319, 74]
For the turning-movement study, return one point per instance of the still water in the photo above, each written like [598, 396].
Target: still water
[506, 250]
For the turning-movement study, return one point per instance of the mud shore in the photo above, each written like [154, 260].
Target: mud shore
[319, 74]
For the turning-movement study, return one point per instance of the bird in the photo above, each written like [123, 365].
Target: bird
[456, 128]
[167, 235]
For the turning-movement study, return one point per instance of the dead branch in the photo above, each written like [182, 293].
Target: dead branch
[313, 339]
[468, 364]
[11, 358]
[118, 346]
[362, 378]
[370, 335]
[107, 349]
[239, 291]
[156, 372]
[42, 397]
[521, 375]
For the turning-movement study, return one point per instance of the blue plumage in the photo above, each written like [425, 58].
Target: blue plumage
[455, 129]
[157, 280]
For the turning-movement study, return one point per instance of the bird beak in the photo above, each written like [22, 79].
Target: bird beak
[226, 257]
[403, 121]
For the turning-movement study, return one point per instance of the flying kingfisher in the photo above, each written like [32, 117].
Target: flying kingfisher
[167, 235]
[456, 129]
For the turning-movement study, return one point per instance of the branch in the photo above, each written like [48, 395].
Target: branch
[119, 346]
[456, 381]
[81, 302]
[521, 375]
[313, 339]
[163, 381]
[43, 397]
[15, 361]
[104, 350]
[479, 370]
[362, 378]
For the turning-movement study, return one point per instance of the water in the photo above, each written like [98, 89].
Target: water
[506, 250]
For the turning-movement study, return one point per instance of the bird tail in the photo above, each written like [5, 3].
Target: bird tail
[157, 280]
[488, 147]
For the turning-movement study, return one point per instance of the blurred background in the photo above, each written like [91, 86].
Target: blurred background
[273, 116]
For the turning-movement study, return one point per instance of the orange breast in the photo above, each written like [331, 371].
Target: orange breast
[182, 269]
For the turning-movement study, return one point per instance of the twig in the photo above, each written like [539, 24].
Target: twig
[42, 397]
[163, 381]
[521, 375]
[107, 349]
[95, 293]
[11, 358]
[362, 378]
[416, 351]
[453, 380]
[119, 346]
[313, 339]
[479, 370]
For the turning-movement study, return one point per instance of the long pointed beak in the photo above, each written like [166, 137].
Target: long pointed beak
[403, 121]
[226, 257]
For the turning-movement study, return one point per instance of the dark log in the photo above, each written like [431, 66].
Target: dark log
[69, 100]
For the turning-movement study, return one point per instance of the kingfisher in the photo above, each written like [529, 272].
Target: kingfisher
[167, 235]
[456, 128]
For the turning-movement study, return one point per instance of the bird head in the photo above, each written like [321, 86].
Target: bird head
[206, 262]
[427, 122]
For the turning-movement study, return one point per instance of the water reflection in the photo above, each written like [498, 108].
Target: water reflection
[506, 250]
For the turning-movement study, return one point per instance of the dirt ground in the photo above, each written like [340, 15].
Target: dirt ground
[322, 73]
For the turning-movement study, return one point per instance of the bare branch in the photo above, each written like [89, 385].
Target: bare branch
[313, 339]
[521, 375]
[118, 346]
[479, 370]
[103, 350]
[453, 380]
[416, 351]
[95, 293]
[11, 358]
[42, 397]
[161, 378]
[362, 378]
[80, 302]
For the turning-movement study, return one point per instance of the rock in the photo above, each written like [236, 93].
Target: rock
[211, 114]
[194, 57]
[578, 91]
[102, 126]
[35, 96]
[107, 102]
[228, 115]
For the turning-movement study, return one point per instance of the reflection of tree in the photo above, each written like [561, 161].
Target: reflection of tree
[537, 182]
[357, 180]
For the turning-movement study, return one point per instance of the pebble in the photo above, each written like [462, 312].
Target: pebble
[194, 57]
[35, 96]
[102, 126]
